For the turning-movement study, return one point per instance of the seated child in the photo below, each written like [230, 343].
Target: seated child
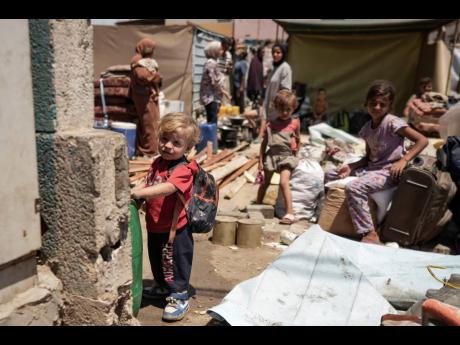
[282, 135]
[320, 108]
[385, 158]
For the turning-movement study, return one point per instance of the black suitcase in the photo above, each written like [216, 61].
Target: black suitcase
[418, 210]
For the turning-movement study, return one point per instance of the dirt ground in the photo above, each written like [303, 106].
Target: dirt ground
[216, 270]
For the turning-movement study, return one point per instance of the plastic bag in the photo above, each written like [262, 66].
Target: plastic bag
[449, 123]
[307, 188]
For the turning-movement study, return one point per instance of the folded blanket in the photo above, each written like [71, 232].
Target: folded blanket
[113, 81]
[113, 100]
[126, 110]
[113, 91]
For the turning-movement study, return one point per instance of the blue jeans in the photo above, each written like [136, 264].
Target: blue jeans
[181, 259]
[211, 112]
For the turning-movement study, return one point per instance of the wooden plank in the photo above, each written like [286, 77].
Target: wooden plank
[235, 187]
[137, 176]
[209, 149]
[218, 164]
[140, 162]
[218, 157]
[238, 172]
[192, 154]
[220, 173]
[139, 168]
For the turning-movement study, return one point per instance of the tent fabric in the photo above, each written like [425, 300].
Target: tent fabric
[434, 63]
[345, 65]
[114, 45]
[324, 279]
[222, 29]
[343, 26]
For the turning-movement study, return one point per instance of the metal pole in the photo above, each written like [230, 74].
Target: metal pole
[452, 56]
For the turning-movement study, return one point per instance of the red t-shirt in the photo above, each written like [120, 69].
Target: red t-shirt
[290, 125]
[160, 210]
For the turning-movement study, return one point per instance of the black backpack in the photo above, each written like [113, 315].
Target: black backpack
[202, 207]
[201, 210]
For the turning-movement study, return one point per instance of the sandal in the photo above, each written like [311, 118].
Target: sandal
[371, 237]
[288, 219]
[155, 292]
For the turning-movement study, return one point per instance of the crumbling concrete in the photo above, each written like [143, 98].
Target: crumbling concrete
[84, 182]
[40, 305]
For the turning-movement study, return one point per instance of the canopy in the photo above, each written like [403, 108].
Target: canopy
[114, 45]
[345, 56]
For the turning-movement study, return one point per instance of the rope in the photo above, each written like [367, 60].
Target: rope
[444, 282]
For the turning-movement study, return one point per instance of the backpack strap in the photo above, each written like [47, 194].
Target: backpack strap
[175, 219]
[177, 206]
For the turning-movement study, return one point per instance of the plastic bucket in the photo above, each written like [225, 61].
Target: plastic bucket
[137, 255]
[208, 133]
[128, 129]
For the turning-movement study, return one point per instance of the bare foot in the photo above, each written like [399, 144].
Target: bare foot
[371, 237]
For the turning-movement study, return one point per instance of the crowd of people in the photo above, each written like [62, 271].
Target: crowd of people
[273, 104]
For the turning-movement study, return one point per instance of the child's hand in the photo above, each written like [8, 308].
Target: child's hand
[134, 194]
[344, 171]
[397, 168]
[260, 167]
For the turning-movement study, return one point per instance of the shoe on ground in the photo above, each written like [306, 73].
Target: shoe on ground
[177, 306]
[371, 237]
[155, 292]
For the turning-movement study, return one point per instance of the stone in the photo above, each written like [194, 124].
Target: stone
[267, 211]
[256, 215]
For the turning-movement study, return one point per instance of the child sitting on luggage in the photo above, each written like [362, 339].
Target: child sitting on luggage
[385, 157]
[282, 135]
[320, 108]
[170, 251]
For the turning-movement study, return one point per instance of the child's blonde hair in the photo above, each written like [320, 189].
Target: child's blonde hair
[285, 98]
[172, 122]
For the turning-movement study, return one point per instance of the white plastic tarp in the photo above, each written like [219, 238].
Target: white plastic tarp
[323, 279]
[316, 134]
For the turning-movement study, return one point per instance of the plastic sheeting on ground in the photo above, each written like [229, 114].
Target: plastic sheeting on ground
[323, 279]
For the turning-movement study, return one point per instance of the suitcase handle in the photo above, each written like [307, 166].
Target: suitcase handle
[417, 184]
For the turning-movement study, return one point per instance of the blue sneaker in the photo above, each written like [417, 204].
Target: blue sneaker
[177, 306]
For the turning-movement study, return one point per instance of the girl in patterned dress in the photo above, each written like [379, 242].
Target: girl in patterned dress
[385, 157]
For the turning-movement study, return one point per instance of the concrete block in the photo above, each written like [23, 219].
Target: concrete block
[441, 249]
[37, 306]
[62, 68]
[271, 235]
[235, 214]
[267, 210]
[17, 277]
[109, 309]
[85, 201]
[256, 215]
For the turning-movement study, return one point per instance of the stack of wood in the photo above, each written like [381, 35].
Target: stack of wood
[230, 171]
[119, 106]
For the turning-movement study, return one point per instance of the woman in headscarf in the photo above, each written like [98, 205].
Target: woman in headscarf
[279, 79]
[144, 91]
[212, 80]
[255, 85]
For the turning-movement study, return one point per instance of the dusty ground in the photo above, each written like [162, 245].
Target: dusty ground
[216, 270]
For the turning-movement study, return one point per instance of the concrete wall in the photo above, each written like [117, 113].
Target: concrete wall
[19, 221]
[26, 298]
[83, 178]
